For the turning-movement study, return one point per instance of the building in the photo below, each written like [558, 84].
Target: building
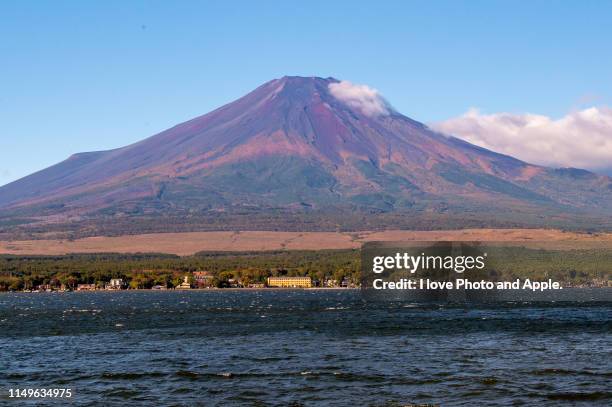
[203, 279]
[116, 284]
[295, 282]
[184, 285]
[330, 283]
[86, 287]
[234, 283]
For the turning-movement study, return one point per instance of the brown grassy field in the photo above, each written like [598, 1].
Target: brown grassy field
[189, 243]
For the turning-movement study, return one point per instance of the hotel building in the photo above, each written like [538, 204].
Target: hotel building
[294, 282]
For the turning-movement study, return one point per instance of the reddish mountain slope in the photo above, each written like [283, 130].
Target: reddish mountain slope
[300, 144]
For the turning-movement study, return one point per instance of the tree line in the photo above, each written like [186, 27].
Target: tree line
[151, 269]
[145, 270]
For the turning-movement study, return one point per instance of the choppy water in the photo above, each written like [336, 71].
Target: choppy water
[302, 347]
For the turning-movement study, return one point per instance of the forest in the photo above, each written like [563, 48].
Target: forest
[145, 270]
[151, 269]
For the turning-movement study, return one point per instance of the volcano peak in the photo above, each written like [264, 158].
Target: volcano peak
[294, 143]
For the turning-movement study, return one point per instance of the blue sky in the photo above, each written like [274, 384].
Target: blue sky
[83, 76]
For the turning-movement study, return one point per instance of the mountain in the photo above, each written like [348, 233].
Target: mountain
[300, 153]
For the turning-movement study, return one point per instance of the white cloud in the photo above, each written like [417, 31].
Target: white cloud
[368, 100]
[581, 139]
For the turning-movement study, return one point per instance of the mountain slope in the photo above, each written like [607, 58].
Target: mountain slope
[300, 146]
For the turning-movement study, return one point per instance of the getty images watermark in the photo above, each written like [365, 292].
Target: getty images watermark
[491, 271]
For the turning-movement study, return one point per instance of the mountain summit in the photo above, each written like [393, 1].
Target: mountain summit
[300, 153]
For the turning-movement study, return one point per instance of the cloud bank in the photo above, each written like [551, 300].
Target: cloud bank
[367, 100]
[581, 139]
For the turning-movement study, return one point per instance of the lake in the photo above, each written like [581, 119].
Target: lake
[301, 347]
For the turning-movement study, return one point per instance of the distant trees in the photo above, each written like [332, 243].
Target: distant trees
[140, 280]
[163, 279]
[148, 270]
[68, 280]
[10, 283]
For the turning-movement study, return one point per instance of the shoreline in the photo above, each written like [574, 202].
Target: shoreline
[194, 290]
[189, 290]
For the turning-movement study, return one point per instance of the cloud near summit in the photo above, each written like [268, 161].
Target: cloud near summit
[368, 100]
[581, 139]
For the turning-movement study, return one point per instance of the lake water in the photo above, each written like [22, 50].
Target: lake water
[308, 347]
